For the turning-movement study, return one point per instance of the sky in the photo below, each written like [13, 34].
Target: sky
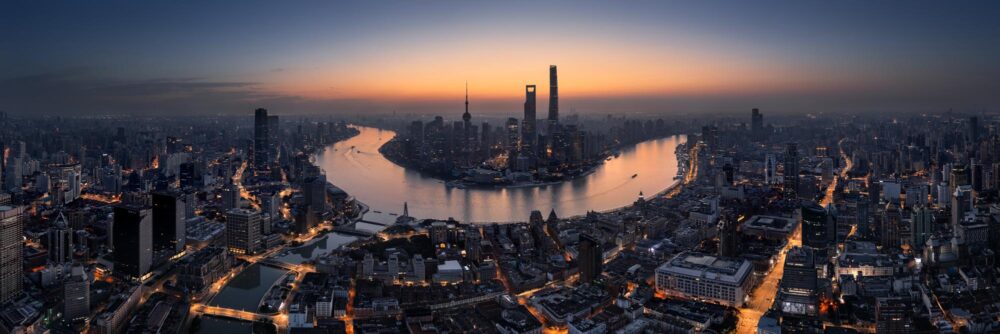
[228, 57]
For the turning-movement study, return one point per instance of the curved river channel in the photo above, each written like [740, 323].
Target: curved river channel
[384, 186]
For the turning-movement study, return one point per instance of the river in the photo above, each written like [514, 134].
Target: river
[385, 186]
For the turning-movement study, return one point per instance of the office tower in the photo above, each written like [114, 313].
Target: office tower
[959, 177]
[13, 173]
[133, 241]
[513, 130]
[314, 191]
[529, 132]
[168, 222]
[590, 258]
[756, 124]
[889, 229]
[553, 97]
[798, 291]
[76, 294]
[11, 238]
[728, 237]
[473, 242]
[814, 229]
[893, 315]
[921, 226]
[261, 147]
[189, 174]
[60, 241]
[243, 231]
[961, 204]
[419, 267]
[976, 176]
[392, 264]
[439, 233]
[791, 169]
[771, 170]
[230, 196]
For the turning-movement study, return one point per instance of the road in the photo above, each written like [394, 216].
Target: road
[763, 296]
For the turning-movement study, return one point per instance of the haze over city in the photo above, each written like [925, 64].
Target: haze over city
[499, 167]
[85, 58]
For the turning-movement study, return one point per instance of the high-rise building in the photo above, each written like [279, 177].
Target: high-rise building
[798, 291]
[729, 237]
[553, 97]
[771, 170]
[511, 139]
[473, 242]
[814, 229]
[921, 226]
[590, 258]
[59, 241]
[133, 241]
[11, 258]
[76, 294]
[529, 130]
[756, 124]
[961, 204]
[791, 169]
[419, 267]
[261, 148]
[889, 229]
[230, 196]
[243, 231]
[168, 222]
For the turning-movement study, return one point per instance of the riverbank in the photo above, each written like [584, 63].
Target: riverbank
[460, 178]
[371, 178]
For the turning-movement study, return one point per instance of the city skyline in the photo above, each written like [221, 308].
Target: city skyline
[636, 57]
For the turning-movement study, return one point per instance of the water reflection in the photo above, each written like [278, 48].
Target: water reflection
[385, 186]
[245, 291]
[314, 248]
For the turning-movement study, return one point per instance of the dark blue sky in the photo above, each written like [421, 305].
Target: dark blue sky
[192, 57]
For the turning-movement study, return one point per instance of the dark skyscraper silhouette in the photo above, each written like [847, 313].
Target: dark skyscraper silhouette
[168, 222]
[132, 236]
[791, 169]
[757, 124]
[529, 129]
[260, 139]
[553, 95]
[590, 259]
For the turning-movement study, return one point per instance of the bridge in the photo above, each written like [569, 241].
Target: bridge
[235, 314]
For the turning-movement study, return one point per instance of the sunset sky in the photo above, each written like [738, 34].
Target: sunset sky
[194, 57]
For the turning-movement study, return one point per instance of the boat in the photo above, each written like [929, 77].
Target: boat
[634, 175]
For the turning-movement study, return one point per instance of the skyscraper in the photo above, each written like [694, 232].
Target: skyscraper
[814, 225]
[60, 241]
[798, 291]
[791, 169]
[168, 222]
[473, 242]
[76, 293]
[261, 148]
[11, 230]
[590, 258]
[133, 241]
[529, 130]
[553, 97]
[756, 124]
[243, 231]
[728, 237]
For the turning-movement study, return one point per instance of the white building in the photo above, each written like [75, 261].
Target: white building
[700, 276]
